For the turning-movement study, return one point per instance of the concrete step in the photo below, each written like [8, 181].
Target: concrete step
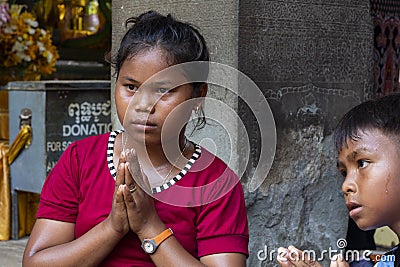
[11, 252]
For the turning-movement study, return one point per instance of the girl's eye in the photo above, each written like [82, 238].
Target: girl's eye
[362, 163]
[163, 90]
[132, 87]
[343, 173]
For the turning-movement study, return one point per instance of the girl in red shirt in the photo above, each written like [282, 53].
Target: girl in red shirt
[145, 196]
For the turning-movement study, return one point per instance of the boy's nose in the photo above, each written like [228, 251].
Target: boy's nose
[349, 185]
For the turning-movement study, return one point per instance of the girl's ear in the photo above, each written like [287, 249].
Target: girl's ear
[203, 90]
[199, 96]
[202, 93]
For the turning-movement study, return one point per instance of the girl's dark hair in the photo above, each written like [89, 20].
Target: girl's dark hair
[181, 42]
[382, 114]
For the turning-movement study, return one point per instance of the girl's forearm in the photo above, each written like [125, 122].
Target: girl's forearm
[88, 250]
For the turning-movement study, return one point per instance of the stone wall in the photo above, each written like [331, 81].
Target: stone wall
[313, 61]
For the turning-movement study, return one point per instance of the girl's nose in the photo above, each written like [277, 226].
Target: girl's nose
[143, 101]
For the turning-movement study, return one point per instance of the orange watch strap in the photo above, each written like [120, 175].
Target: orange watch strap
[164, 235]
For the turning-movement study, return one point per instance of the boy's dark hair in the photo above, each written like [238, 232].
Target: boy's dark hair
[180, 41]
[382, 114]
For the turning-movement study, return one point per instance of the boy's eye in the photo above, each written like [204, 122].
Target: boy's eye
[343, 173]
[362, 163]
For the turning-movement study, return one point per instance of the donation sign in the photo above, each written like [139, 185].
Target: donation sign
[73, 115]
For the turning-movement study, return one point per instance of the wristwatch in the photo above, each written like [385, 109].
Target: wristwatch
[150, 245]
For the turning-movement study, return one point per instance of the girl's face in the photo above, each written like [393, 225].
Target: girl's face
[143, 107]
[371, 167]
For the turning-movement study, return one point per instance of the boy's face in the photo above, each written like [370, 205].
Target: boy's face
[371, 167]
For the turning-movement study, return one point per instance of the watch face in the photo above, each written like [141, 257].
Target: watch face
[148, 247]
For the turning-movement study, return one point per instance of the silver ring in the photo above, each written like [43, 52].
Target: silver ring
[132, 188]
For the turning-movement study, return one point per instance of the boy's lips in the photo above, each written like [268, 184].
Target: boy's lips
[354, 208]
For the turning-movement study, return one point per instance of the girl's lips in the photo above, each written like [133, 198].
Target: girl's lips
[143, 122]
[144, 126]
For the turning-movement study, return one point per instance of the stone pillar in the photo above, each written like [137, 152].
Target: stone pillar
[313, 61]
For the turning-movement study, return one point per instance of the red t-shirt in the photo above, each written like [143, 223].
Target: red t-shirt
[80, 189]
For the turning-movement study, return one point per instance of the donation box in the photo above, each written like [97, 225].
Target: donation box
[62, 112]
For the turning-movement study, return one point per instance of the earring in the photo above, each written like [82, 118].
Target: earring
[196, 110]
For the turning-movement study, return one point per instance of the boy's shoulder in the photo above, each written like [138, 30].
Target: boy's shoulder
[390, 258]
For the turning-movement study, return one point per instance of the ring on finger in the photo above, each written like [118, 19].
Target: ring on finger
[132, 188]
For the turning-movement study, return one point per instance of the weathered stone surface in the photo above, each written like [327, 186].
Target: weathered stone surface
[300, 202]
[313, 61]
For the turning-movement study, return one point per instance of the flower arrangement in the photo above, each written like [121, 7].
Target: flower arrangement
[23, 44]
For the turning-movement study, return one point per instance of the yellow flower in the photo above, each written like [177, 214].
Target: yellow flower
[24, 44]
